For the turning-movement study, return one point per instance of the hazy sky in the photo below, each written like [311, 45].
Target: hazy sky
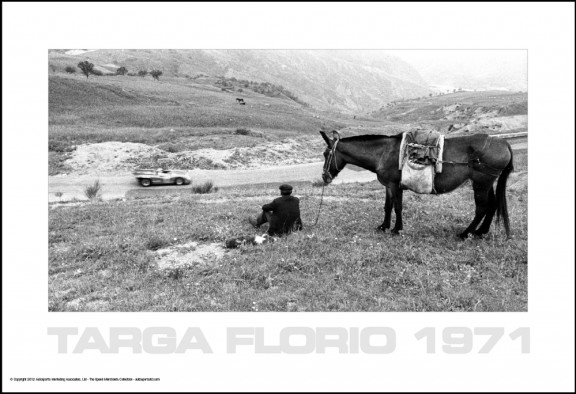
[482, 68]
[464, 57]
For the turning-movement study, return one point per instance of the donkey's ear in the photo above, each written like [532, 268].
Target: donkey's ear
[336, 135]
[328, 140]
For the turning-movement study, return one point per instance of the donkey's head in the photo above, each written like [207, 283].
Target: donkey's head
[333, 162]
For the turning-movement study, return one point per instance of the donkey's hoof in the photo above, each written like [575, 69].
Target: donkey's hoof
[463, 235]
[381, 228]
[395, 231]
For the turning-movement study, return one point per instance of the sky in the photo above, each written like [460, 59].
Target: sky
[470, 69]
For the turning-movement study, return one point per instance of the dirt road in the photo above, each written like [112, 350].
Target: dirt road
[117, 186]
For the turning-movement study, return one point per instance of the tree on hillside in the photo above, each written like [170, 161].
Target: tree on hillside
[142, 73]
[156, 74]
[86, 67]
[70, 69]
[121, 71]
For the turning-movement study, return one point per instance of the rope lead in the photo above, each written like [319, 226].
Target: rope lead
[319, 206]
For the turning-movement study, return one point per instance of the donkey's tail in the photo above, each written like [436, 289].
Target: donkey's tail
[502, 207]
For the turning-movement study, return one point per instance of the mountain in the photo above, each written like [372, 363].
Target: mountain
[350, 81]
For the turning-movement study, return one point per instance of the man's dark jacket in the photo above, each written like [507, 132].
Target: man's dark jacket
[285, 215]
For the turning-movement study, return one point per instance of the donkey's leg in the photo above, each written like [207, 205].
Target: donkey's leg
[397, 200]
[482, 205]
[387, 211]
[485, 227]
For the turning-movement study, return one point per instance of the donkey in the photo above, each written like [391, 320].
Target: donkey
[239, 100]
[478, 158]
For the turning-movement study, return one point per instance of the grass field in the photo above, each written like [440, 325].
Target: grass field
[173, 114]
[103, 256]
[123, 108]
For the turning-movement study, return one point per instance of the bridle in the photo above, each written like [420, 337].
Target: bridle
[326, 170]
[331, 158]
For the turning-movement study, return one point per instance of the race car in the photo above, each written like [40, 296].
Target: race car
[162, 177]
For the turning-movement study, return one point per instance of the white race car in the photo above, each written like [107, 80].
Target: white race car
[162, 177]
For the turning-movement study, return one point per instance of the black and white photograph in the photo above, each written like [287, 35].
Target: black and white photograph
[324, 197]
[287, 180]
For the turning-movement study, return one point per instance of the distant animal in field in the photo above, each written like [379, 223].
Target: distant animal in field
[479, 158]
[242, 103]
[239, 100]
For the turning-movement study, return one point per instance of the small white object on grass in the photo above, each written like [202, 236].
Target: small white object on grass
[259, 240]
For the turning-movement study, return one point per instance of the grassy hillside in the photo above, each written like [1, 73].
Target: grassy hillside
[183, 115]
[174, 113]
[123, 101]
[348, 81]
[108, 256]
[460, 107]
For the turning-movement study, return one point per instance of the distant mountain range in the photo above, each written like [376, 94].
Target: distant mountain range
[352, 81]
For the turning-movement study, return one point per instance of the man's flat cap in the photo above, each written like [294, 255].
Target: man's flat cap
[285, 188]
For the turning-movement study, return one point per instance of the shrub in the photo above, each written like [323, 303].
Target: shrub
[59, 146]
[176, 273]
[86, 67]
[155, 243]
[70, 69]
[97, 73]
[58, 194]
[92, 191]
[168, 147]
[142, 73]
[242, 132]
[121, 71]
[156, 74]
[207, 187]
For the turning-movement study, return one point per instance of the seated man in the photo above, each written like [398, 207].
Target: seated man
[283, 214]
